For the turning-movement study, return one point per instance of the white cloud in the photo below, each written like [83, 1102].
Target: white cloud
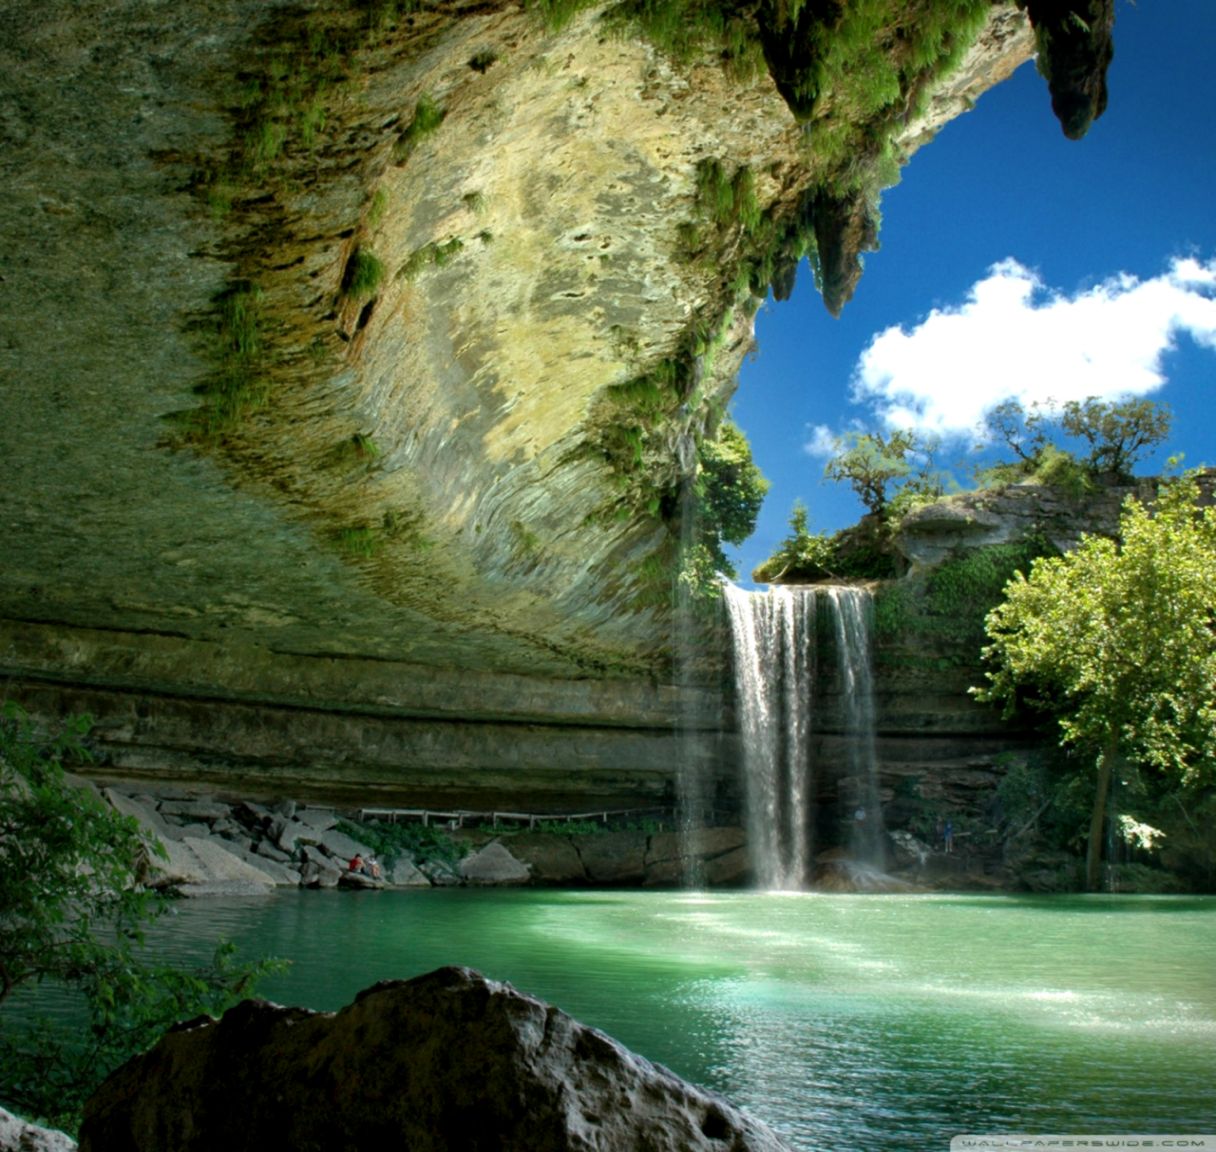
[1013, 338]
[822, 442]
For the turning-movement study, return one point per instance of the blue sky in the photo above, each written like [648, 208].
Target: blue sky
[1014, 262]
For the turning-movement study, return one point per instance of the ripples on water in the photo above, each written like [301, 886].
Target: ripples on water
[847, 1022]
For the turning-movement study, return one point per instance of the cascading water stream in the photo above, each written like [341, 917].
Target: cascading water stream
[851, 616]
[775, 657]
[773, 635]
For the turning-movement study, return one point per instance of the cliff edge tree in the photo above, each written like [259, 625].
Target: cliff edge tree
[872, 464]
[1117, 640]
[73, 911]
[1116, 434]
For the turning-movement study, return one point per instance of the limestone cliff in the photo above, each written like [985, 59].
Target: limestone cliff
[355, 355]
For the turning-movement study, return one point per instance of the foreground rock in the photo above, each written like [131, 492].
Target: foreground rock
[444, 1062]
[17, 1135]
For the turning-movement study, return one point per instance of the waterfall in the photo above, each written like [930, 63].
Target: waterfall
[775, 657]
[773, 636]
[693, 778]
[851, 615]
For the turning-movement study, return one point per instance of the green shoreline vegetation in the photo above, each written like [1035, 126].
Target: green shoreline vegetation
[74, 909]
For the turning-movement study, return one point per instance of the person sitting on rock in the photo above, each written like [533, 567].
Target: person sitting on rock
[356, 863]
[372, 868]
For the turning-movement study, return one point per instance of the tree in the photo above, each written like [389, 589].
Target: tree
[801, 555]
[871, 463]
[1117, 641]
[730, 488]
[1021, 430]
[1117, 434]
[74, 906]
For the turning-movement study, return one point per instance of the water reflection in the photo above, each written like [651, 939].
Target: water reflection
[868, 1022]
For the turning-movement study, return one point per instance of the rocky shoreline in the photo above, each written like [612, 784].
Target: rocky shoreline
[204, 846]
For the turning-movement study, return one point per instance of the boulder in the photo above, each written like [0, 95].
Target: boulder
[703, 843]
[494, 864]
[194, 810]
[320, 870]
[203, 867]
[715, 856]
[553, 859]
[445, 1062]
[339, 845]
[287, 832]
[252, 815]
[282, 874]
[273, 852]
[440, 873]
[17, 1135]
[314, 876]
[613, 857]
[152, 824]
[406, 874]
[322, 819]
[730, 870]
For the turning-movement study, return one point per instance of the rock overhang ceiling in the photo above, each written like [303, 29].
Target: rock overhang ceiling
[354, 357]
[414, 466]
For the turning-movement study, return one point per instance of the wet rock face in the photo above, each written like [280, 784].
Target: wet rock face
[449, 1061]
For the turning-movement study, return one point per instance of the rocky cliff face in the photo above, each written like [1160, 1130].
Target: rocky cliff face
[354, 358]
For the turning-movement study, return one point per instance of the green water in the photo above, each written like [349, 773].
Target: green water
[845, 1022]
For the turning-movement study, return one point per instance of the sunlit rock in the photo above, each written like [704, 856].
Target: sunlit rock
[17, 1135]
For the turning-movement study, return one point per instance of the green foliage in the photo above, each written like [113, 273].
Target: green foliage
[570, 827]
[526, 544]
[375, 211]
[73, 912]
[729, 488]
[690, 30]
[873, 464]
[238, 386]
[727, 200]
[433, 255]
[1115, 641]
[948, 605]
[428, 115]
[364, 273]
[801, 556]
[1115, 434]
[391, 841]
[728, 492]
[358, 449]
[361, 541]
[556, 14]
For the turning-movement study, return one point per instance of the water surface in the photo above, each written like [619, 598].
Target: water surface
[845, 1022]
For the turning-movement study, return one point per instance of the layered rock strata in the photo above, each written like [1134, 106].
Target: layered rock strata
[341, 445]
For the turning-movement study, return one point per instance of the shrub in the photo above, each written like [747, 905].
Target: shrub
[364, 273]
[74, 907]
[428, 115]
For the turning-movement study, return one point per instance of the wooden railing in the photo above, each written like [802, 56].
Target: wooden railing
[458, 818]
